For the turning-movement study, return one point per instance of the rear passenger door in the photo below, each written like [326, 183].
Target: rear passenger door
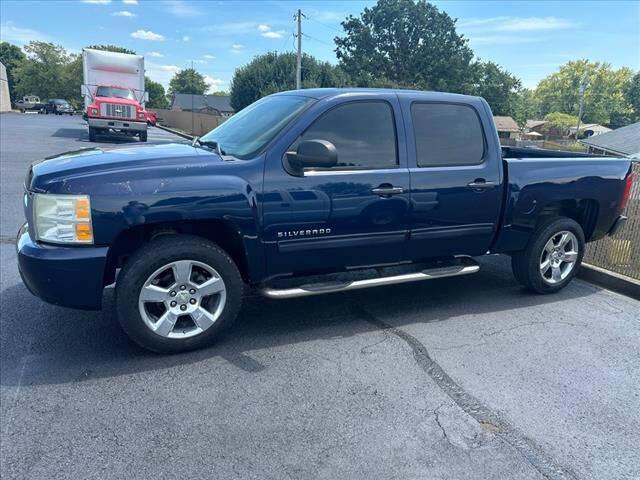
[455, 170]
[354, 214]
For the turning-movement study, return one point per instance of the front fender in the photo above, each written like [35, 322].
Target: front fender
[231, 199]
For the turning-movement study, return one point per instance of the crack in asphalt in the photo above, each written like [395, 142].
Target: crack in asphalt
[436, 416]
[530, 324]
[527, 447]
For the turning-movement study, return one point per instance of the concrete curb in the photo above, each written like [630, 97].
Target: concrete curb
[175, 132]
[610, 280]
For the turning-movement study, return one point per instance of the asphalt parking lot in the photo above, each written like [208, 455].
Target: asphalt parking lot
[460, 378]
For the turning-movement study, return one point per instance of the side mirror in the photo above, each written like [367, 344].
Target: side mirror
[313, 153]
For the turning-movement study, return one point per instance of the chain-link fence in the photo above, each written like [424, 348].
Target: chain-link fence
[621, 253]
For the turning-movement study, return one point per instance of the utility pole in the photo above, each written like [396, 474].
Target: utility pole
[583, 87]
[298, 17]
[193, 77]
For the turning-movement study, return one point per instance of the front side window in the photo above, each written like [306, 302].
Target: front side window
[447, 135]
[363, 133]
[251, 129]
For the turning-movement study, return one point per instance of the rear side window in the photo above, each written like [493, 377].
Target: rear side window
[447, 135]
[363, 133]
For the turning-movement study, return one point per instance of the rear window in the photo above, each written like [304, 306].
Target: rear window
[447, 135]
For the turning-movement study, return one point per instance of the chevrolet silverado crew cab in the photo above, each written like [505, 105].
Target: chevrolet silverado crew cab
[297, 189]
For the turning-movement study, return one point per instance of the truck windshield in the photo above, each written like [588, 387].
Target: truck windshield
[115, 92]
[250, 130]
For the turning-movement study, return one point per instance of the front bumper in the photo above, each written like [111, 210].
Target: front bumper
[124, 125]
[66, 276]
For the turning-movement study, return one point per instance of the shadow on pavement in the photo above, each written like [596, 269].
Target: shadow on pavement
[52, 345]
[82, 135]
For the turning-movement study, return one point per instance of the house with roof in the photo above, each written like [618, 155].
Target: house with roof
[623, 141]
[589, 130]
[507, 127]
[535, 126]
[219, 105]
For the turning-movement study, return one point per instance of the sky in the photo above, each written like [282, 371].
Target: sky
[530, 39]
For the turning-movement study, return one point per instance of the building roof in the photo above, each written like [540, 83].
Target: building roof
[505, 124]
[622, 141]
[535, 123]
[184, 101]
[595, 127]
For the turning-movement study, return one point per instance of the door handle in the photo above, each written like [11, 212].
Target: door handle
[387, 191]
[480, 183]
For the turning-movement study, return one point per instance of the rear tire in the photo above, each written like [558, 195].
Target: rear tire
[143, 136]
[92, 134]
[179, 319]
[552, 257]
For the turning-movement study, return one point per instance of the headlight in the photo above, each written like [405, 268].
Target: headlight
[62, 218]
[141, 116]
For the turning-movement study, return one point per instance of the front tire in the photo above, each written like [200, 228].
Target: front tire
[92, 134]
[178, 293]
[552, 257]
[143, 136]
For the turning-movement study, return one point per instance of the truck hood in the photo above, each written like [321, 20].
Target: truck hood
[129, 162]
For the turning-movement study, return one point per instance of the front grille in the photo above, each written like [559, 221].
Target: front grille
[116, 111]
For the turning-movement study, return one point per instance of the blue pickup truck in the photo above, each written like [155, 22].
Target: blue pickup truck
[303, 193]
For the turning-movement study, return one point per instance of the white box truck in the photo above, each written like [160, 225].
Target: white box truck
[113, 92]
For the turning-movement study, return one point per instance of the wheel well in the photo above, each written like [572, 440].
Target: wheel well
[220, 232]
[585, 212]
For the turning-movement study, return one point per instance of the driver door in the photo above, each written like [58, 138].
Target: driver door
[348, 216]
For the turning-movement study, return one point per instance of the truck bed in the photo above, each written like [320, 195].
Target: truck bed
[523, 152]
[541, 183]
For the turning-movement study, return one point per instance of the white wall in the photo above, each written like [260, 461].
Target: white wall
[5, 100]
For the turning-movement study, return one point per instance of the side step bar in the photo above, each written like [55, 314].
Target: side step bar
[464, 266]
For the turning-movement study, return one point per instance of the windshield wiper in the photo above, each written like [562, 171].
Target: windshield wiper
[215, 146]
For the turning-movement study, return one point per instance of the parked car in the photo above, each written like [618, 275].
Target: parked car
[58, 106]
[392, 186]
[151, 117]
[28, 102]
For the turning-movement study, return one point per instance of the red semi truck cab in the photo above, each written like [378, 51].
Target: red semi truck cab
[116, 108]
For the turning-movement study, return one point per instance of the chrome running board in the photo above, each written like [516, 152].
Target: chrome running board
[463, 266]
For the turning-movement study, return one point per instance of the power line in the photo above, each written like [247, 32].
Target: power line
[325, 25]
[317, 40]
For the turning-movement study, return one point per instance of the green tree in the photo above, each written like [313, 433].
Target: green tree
[112, 48]
[188, 80]
[632, 95]
[11, 56]
[407, 43]
[604, 97]
[559, 123]
[220, 93]
[157, 97]
[274, 72]
[497, 86]
[44, 72]
[525, 107]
